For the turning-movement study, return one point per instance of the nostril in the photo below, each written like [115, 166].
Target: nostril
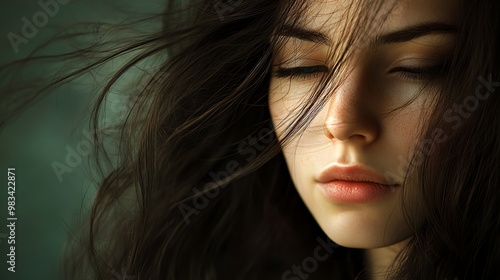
[327, 132]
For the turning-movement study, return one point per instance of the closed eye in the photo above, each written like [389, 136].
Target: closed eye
[408, 73]
[300, 72]
[420, 73]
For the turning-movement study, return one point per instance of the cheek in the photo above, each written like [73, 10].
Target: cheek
[408, 126]
[283, 102]
[286, 99]
[403, 132]
[281, 105]
[278, 114]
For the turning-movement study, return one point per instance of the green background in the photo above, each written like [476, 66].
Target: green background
[47, 206]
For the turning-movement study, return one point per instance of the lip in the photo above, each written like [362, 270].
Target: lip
[353, 184]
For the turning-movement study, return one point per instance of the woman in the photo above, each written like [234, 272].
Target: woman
[302, 140]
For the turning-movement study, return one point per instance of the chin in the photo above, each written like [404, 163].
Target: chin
[365, 226]
[357, 233]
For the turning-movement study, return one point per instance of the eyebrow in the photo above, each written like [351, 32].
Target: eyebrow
[398, 36]
[304, 34]
[414, 31]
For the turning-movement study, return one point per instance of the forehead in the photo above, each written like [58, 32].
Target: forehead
[333, 16]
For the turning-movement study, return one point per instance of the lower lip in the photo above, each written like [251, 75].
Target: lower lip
[355, 192]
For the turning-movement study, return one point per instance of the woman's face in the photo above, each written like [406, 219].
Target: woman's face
[343, 161]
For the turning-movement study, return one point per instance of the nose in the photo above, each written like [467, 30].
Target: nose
[351, 112]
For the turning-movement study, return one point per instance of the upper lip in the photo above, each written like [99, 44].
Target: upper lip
[356, 173]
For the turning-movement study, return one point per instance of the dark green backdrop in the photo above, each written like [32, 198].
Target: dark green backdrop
[44, 136]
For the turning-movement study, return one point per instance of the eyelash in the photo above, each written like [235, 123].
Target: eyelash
[408, 73]
[420, 73]
[297, 73]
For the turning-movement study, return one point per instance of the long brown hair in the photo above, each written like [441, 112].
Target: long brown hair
[199, 189]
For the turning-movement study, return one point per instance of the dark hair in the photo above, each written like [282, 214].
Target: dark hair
[200, 190]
